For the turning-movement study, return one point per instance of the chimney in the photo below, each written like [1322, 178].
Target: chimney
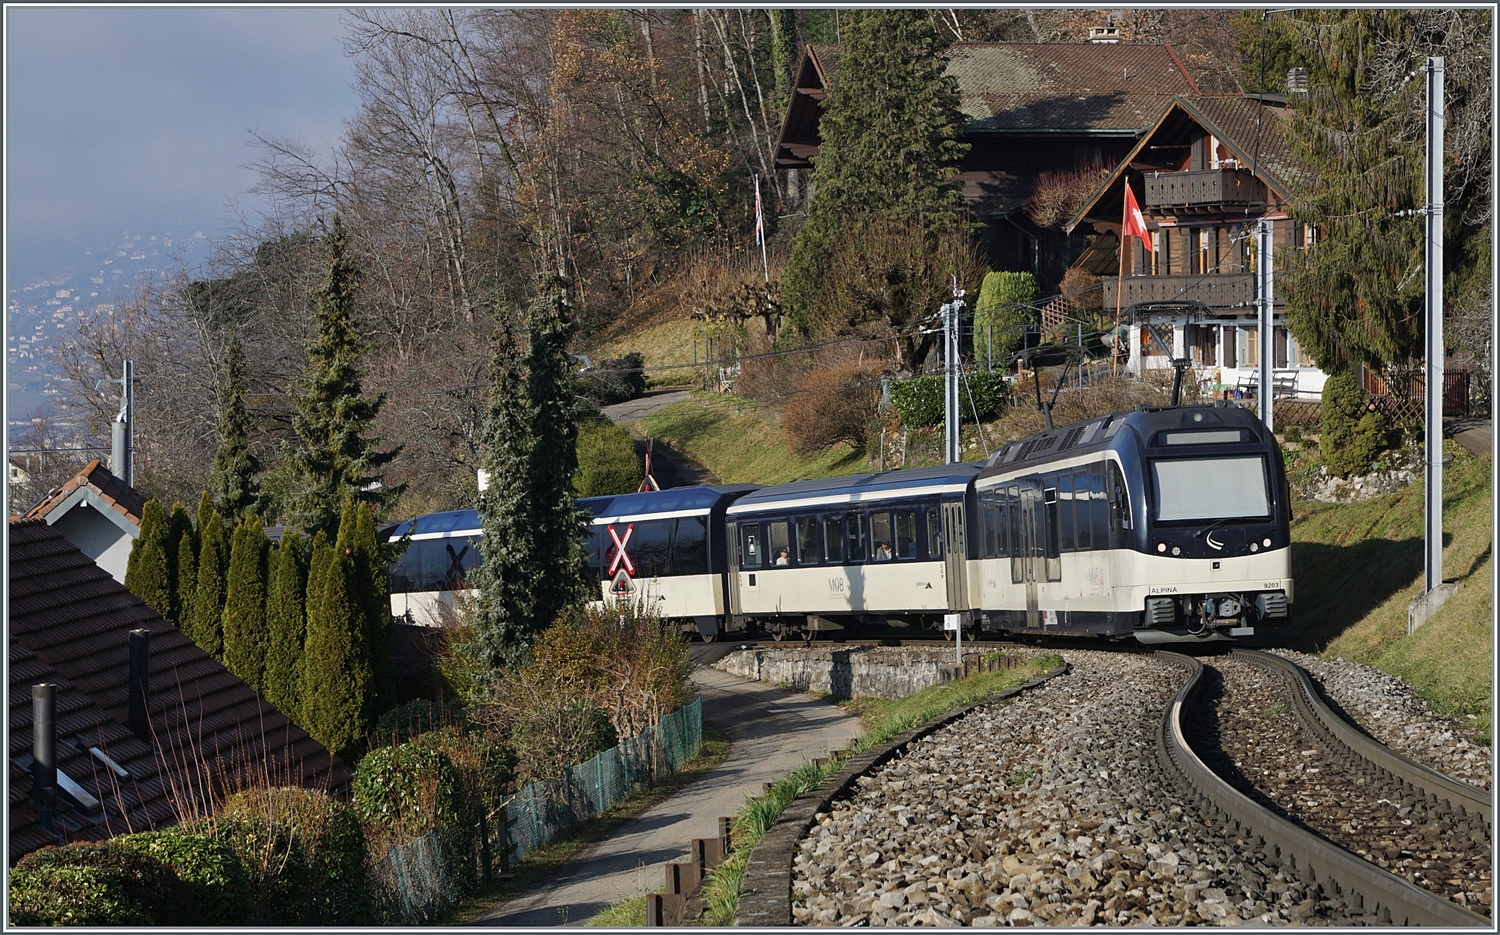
[1106, 34]
[44, 749]
[1296, 80]
[139, 688]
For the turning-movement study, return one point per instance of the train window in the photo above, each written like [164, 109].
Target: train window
[1119, 507]
[856, 529]
[807, 540]
[1017, 543]
[833, 539]
[1099, 506]
[1083, 510]
[592, 540]
[934, 533]
[906, 533]
[750, 545]
[880, 535]
[434, 565]
[690, 548]
[1068, 541]
[778, 542]
[650, 548]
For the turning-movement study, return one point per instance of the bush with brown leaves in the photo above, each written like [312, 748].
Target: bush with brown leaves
[832, 405]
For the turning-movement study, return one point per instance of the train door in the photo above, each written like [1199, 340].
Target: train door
[732, 571]
[1031, 549]
[955, 556]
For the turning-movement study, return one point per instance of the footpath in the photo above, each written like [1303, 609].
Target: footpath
[670, 467]
[771, 732]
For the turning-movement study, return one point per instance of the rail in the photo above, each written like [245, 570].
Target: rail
[1382, 894]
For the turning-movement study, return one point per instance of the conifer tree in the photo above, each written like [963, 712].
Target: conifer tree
[286, 625]
[370, 563]
[148, 573]
[187, 579]
[208, 599]
[335, 458]
[556, 521]
[889, 130]
[506, 578]
[245, 602]
[335, 672]
[234, 481]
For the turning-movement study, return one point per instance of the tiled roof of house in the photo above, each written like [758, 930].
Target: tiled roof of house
[69, 624]
[1253, 130]
[108, 488]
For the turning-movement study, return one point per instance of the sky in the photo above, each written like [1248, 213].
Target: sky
[139, 118]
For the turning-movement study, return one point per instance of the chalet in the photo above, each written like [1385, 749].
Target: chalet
[1204, 175]
[128, 760]
[1031, 110]
[98, 513]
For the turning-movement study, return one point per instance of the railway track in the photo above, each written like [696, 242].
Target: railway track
[1252, 740]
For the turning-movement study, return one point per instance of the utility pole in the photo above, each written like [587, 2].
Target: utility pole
[1263, 292]
[951, 364]
[1434, 268]
[121, 438]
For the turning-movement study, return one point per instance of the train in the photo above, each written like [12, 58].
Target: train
[1157, 524]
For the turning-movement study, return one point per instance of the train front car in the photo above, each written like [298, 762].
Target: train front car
[1168, 525]
[843, 551]
[665, 548]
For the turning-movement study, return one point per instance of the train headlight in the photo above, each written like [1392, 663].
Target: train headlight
[1176, 550]
[1161, 547]
[1255, 546]
[1266, 542]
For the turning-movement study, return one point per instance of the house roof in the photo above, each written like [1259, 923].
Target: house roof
[1019, 88]
[100, 488]
[69, 624]
[1253, 132]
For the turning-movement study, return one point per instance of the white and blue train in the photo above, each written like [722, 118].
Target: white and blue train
[1162, 525]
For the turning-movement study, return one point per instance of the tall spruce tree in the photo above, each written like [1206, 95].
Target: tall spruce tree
[234, 481]
[286, 625]
[208, 599]
[335, 669]
[148, 572]
[336, 458]
[889, 129]
[506, 579]
[556, 521]
[245, 602]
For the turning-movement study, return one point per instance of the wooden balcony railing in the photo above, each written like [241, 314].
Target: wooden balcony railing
[1216, 290]
[1203, 187]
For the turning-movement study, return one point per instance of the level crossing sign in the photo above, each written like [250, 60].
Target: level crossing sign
[621, 567]
[623, 583]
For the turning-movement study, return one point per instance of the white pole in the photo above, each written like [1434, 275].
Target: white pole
[1267, 332]
[950, 381]
[1434, 269]
[761, 232]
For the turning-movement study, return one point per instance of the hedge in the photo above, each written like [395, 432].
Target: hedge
[97, 884]
[919, 401]
[215, 877]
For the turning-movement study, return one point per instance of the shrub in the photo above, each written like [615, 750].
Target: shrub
[984, 392]
[219, 886]
[406, 791]
[1003, 313]
[148, 572]
[833, 405]
[245, 603]
[286, 625]
[614, 380]
[556, 731]
[919, 401]
[61, 885]
[418, 716]
[1352, 435]
[335, 663]
[607, 462]
[208, 600]
[304, 853]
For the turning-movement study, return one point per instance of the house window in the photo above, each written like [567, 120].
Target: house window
[1156, 253]
[1205, 250]
[1251, 357]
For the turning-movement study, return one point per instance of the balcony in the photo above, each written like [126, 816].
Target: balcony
[1203, 189]
[1216, 290]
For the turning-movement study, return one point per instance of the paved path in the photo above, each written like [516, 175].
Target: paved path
[771, 732]
[643, 405]
[1474, 434]
[670, 467]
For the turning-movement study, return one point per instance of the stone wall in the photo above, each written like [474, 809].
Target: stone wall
[847, 672]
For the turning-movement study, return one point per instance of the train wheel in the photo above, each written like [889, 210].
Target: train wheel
[807, 632]
[709, 637]
[778, 632]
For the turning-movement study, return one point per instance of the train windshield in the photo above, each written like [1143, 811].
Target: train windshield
[1210, 488]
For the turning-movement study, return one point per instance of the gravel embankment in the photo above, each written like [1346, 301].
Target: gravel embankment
[1386, 708]
[1248, 733]
[1046, 810]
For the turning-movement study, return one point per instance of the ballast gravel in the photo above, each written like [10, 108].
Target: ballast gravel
[1048, 809]
[1389, 710]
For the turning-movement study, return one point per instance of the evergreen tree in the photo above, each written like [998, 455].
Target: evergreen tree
[556, 521]
[234, 481]
[187, 580]
[335, 672]
[371, 562]
[889, 132]
[148, 573]
[179, 530]
[335, 458]
[286, 625]
[208, 599]
[245, 602]
[506, 578]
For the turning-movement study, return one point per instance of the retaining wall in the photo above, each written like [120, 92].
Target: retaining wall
[848, 672]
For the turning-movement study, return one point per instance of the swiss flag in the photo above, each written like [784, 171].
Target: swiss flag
[1134, 224]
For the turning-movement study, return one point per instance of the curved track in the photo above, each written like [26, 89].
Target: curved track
[1363, 767]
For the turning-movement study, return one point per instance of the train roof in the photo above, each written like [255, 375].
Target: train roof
[859, 487]
[446, 523]
[678, 501]
[1099, 433]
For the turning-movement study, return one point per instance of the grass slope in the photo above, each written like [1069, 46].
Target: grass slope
[742, 442]
[1359, 564]
[671, 344]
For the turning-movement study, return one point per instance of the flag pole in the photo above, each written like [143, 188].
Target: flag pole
[1119, 294]
[760, 232]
